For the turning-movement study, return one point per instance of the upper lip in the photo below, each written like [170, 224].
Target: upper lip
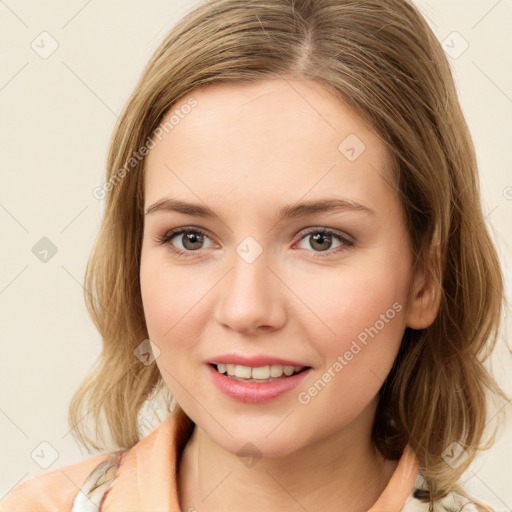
[253, 361]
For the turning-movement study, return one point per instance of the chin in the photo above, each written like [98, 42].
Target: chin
[257, 439]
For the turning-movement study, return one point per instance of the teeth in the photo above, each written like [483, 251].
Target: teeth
[243, 372]
[288, 370]
[259, 373]
[276, 370]
[262, 372]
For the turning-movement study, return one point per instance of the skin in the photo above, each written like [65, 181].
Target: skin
[244, 151]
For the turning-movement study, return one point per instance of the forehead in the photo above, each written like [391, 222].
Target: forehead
[272, 138]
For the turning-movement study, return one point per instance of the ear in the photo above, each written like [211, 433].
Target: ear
[425, 296]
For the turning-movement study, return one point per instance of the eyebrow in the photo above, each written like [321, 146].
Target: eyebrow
[167, 204]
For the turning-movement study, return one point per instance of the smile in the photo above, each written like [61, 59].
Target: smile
[249, 390]
[267, 373]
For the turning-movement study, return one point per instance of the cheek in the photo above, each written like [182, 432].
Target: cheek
[169, 295]
[354, 300]
[360, 317]
[368, 327]
[171, 299]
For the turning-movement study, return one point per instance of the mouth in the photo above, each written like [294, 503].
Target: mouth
[260, 374]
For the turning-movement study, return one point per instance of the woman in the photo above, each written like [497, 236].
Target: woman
[293, 246]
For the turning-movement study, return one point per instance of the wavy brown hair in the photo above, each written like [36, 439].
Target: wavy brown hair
[381, 58]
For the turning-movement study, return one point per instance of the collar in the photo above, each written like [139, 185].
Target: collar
[147, 479]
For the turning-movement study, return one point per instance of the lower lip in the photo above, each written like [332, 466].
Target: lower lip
[255, 392]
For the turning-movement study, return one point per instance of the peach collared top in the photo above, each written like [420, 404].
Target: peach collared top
[146, 480]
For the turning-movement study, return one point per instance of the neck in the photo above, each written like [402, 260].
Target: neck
[340, 472]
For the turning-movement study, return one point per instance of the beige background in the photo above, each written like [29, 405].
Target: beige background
[57, 114]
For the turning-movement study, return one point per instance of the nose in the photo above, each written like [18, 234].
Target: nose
[251, 295]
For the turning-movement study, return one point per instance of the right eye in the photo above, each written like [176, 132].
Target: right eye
[191, 239]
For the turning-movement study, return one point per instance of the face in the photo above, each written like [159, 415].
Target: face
[323, 289]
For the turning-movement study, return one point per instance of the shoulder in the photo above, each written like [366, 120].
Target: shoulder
[53, 491]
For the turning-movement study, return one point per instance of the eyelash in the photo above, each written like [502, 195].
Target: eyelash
[169, 235]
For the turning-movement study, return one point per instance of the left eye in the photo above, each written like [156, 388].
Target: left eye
[192, 240]
[322, 239]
